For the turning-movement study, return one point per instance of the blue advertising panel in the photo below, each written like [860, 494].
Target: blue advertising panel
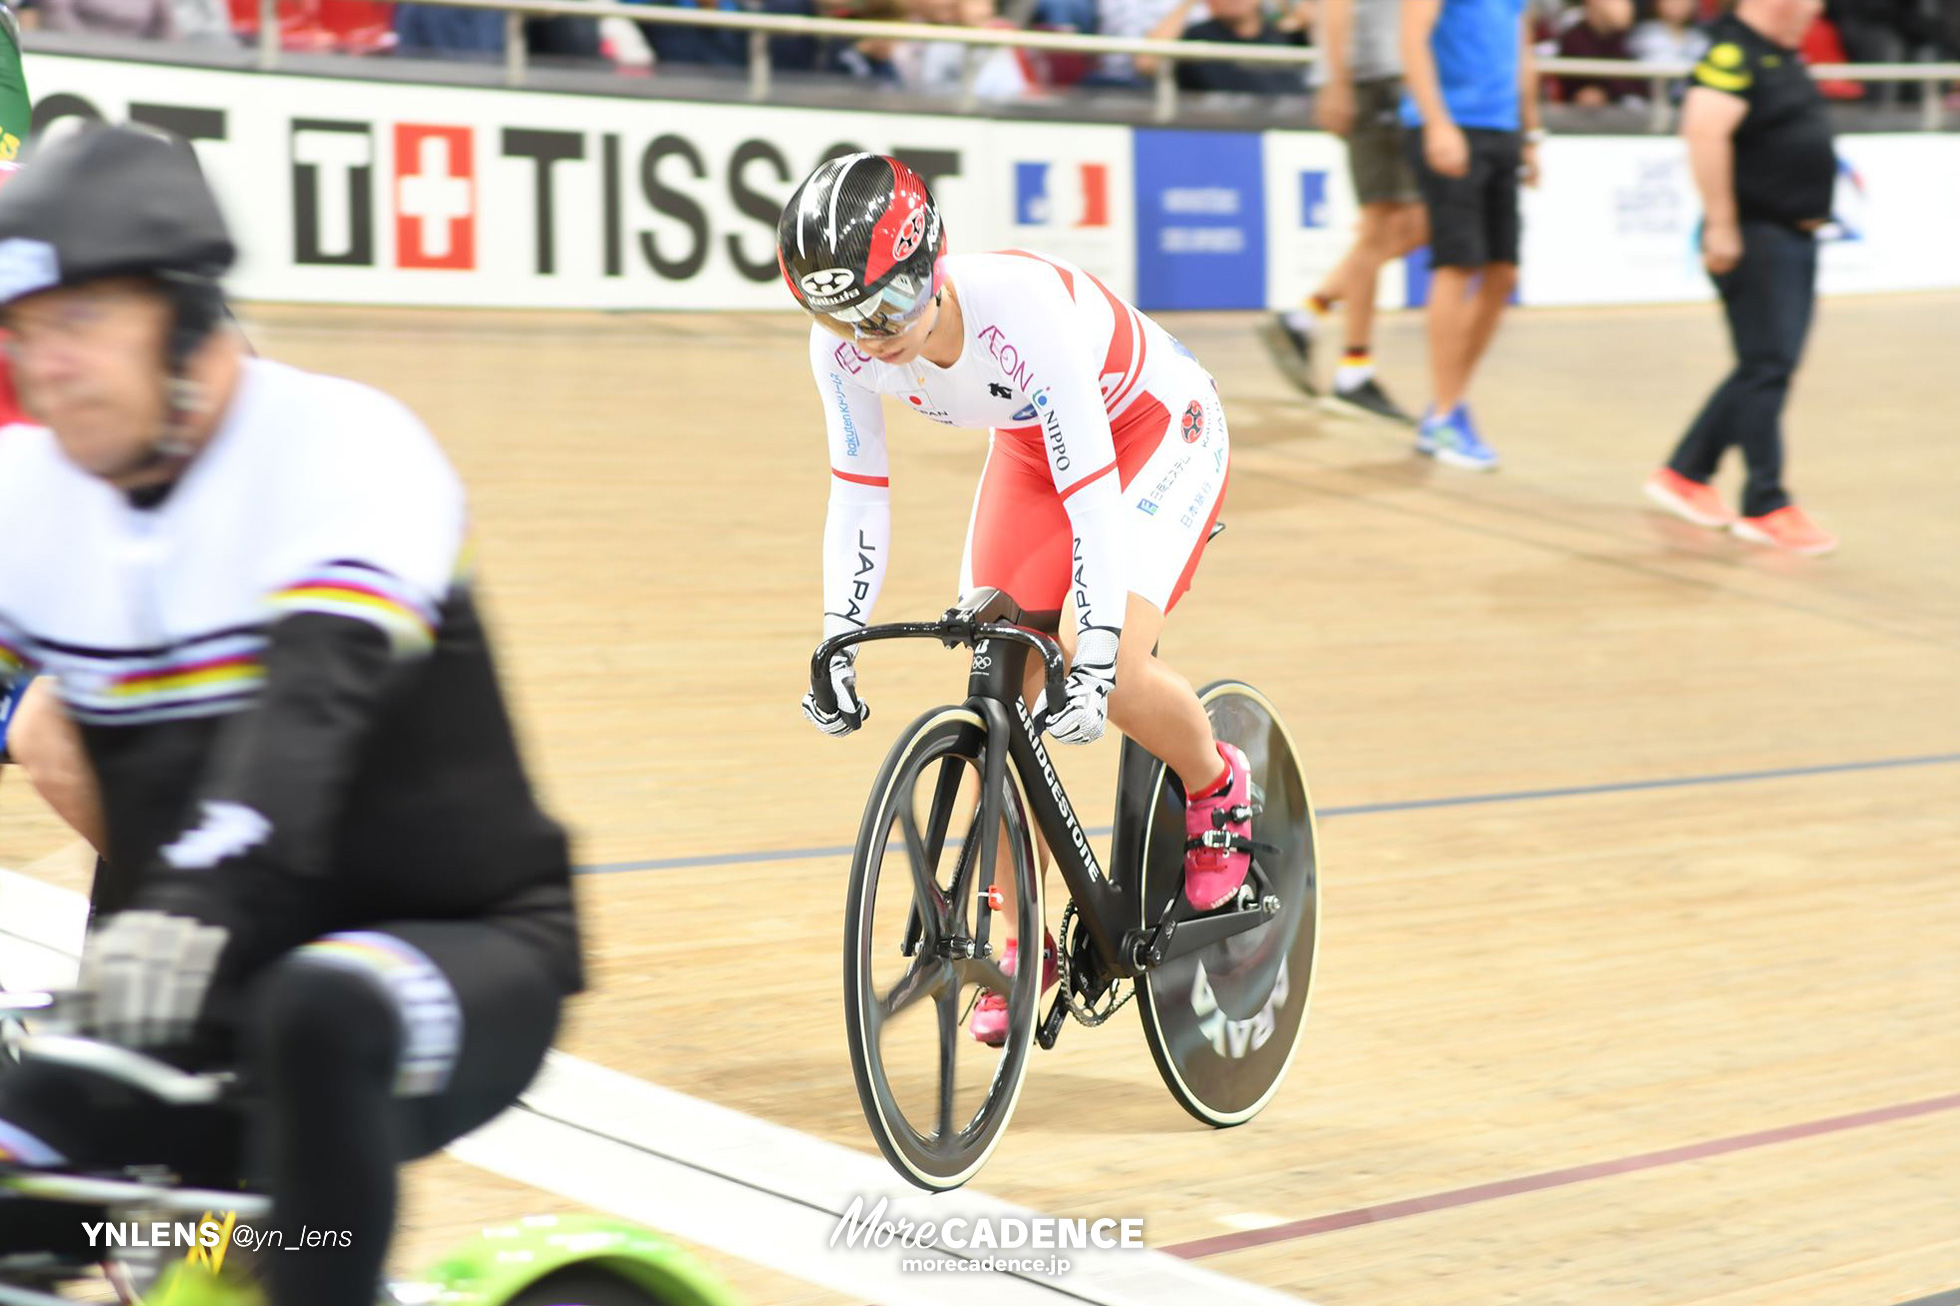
[1201, 220]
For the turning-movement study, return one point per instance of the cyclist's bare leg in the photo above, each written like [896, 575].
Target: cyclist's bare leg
[1152, 704]
[1156, 706]
[48, 747]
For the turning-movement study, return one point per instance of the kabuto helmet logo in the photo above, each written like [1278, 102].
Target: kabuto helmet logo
[826, 283]
[1193, 422]
[909, 236]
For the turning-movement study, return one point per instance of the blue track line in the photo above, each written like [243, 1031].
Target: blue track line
[1359, 809]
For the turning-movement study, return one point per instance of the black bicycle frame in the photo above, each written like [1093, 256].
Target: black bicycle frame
[991, 623]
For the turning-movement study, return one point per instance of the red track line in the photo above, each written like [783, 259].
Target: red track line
[1233, 1242]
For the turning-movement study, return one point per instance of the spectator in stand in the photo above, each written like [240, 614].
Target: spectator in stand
[1873, 31]
[1064, 15]
[672, 44]
[1600, 33]
[868, 61]
[794, 54]
[438, 32]
[1133, 20]
[152, 19]
[1890, 31]
[934, 67]
[1670, 35]
[1236, 22]
[561, 38]
[207, 21]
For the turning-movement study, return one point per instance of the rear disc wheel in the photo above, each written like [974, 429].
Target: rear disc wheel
[1223, 1023]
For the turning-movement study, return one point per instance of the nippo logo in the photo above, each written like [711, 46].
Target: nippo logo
[828, 282]
[909, 236]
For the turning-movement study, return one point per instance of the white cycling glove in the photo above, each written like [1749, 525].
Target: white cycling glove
[144, 977]
[1084, 714]
[851, 711]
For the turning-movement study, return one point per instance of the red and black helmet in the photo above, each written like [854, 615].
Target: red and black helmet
[859, 244]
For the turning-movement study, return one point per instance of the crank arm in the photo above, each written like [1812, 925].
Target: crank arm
[1181, 938]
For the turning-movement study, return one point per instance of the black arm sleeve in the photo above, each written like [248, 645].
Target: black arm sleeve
[258, 856]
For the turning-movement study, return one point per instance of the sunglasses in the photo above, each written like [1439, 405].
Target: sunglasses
[887, 314]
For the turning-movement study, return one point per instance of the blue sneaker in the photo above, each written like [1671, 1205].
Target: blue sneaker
[1453, 439]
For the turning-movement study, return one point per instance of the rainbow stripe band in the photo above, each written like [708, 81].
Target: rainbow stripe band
[366, 595]
[238, 670]
[431, 1014]
[23, 1148]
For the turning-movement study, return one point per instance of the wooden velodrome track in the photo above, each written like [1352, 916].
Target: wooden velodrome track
[1683, 1029]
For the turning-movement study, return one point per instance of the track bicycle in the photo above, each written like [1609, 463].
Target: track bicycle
[954, 812]
[536, 1261]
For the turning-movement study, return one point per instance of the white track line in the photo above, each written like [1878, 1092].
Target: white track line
[715, 1176]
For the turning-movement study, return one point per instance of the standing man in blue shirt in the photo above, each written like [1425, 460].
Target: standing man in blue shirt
[1472, 111]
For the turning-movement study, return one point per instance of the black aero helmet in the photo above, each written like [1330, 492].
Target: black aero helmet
[859, 244]
[111, 202]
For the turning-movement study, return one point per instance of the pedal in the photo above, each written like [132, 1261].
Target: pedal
[1050, 1028]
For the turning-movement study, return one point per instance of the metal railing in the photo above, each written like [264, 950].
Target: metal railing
[1661, 78]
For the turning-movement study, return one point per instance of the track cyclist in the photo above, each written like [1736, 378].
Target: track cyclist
[330, 872]
[1107, 463]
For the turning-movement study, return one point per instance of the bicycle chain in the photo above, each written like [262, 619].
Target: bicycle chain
[1085, 1014]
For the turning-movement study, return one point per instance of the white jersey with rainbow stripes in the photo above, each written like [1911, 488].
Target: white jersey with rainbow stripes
[315, 494]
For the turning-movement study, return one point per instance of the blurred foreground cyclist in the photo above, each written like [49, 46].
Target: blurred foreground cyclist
[327, 868]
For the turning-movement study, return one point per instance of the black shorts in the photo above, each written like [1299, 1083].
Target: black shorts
[1473, 219]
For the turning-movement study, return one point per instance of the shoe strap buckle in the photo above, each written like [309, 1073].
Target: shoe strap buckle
[1215, 839]
[1240, 814]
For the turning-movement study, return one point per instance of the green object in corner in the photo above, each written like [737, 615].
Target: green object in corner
[16, 110]
[500, 1263]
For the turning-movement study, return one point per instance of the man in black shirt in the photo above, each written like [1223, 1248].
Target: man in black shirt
[1233, 22]
[327, 868]
[1760, 146]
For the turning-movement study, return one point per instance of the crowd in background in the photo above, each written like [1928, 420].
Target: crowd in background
[1671, 32]
[1658, 32]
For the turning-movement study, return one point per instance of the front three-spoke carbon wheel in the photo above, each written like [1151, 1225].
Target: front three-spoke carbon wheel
[923, 938]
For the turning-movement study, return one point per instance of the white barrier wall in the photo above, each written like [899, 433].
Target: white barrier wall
[1617, 220]
[382, 192]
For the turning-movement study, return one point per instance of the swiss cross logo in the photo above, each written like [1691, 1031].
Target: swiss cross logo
[435, 196]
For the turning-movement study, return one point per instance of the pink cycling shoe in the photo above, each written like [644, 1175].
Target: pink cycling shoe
[990, 1014]
[1218, 830]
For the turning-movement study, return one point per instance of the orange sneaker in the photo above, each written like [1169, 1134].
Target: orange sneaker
[1787, 528]
[1693, 501]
